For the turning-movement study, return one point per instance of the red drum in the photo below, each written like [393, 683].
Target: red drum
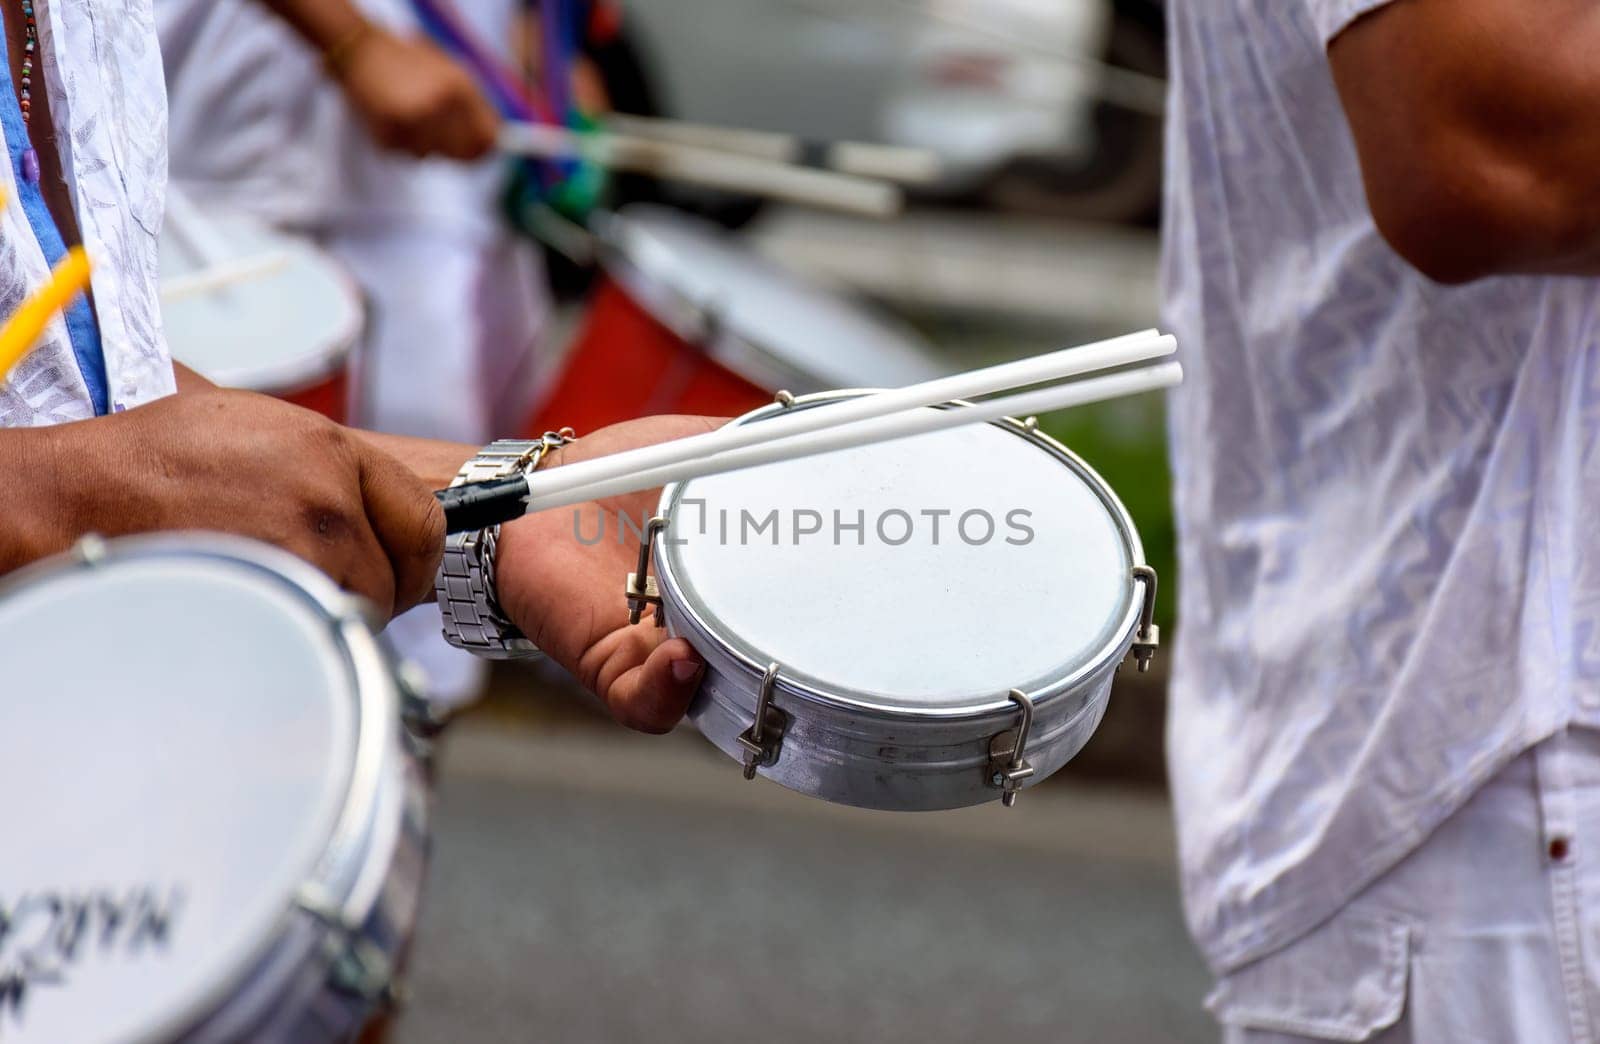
[251, 307]
[686, 320]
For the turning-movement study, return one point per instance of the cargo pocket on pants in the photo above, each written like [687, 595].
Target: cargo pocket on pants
[1345, 981]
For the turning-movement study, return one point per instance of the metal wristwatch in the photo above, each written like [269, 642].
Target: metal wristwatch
[465, 583]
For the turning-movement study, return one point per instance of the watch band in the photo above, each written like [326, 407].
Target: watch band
[465, 583]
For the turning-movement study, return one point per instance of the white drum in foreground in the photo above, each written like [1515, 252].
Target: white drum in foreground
[214, 827]
[922, 624]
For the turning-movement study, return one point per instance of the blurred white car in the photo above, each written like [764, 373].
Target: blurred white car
[1015, 95]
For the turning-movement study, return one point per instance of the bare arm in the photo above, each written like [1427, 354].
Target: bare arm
[411, 96]
[1475, 123]
[562, 591]
[325, 24]
[230, 462]
[433, 461]
[36, 522]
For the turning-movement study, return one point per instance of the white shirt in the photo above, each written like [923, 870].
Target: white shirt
[1387, 493]
[98, 60]
[258, 127]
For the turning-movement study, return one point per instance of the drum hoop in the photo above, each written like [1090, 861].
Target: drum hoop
[373, 688]
[1002, 706]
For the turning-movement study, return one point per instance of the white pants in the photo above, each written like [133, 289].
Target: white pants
[1489, 932]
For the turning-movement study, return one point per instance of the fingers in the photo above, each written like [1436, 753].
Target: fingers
[341, 544]
[482, 127]
[653, 695]
[367, 572]
[468, 127]
[417, 100]
[407, 523]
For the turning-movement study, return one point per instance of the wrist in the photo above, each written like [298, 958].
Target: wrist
[520, 543]
[434, 461]
[467, 585]
[341, 53]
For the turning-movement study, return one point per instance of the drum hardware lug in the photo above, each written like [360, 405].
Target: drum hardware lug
[784, 399]
[708, 320]
[357, 966]
[1030, 424]
[1147, 639]
[763, 740]
[90, 549]
[642, 588]
[1008, 769]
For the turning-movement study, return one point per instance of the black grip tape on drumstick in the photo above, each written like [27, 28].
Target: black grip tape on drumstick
[479, 505]
[817, 154]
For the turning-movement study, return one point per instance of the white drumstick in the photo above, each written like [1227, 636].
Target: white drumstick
[197, 232]
[1055, 366]
[215, 277]
[878, 429]
[908, 166]
[709, 167]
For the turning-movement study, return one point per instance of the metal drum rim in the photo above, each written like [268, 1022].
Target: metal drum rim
[373, 688]
[678, 608]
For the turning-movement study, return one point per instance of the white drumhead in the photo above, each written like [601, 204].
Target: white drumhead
[812, 331]
[176, 746]
[289, 320]
[901, 615]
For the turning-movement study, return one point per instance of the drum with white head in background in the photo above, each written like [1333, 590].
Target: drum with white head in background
[685, 319]
[215, 823]
[927, 623]
[249, 306]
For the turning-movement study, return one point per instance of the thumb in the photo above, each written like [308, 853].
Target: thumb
[655, 695]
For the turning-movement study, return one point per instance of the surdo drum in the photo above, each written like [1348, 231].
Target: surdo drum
[215, 823]
[685, 319]
[922, 624]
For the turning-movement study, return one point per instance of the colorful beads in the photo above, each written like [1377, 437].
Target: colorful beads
[30, 44]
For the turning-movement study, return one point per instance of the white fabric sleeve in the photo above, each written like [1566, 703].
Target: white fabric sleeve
[1334, 16]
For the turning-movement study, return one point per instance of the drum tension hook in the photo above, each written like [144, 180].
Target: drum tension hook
[642, 587]
[1008, 769]
[357, 966]
[764, 738]
[1147, 639]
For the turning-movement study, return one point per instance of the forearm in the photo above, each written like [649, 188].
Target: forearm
[324, 24]
[434, 461]
[189, 381]
[31, 469]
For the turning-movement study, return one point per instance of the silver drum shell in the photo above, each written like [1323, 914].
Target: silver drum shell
[838, 749]
[334, 960]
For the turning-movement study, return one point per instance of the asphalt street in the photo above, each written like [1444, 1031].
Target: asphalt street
[591, 885]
